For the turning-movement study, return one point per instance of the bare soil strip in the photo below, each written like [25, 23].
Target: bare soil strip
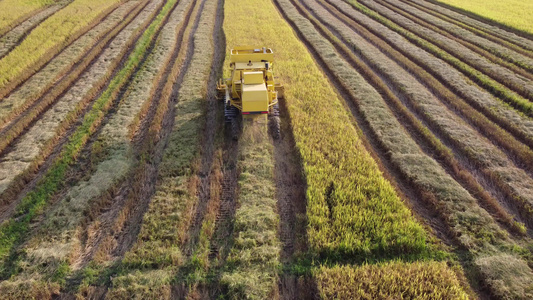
[30, 149]
[518, 84]
[486, 27]
[523, 63]
[406, 162]
[16, 35]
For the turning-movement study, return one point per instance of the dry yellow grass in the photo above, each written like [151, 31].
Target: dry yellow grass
[51, 36]
[513, 13]
[12, 11]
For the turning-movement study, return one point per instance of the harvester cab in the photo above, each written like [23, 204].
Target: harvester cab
[251, 90]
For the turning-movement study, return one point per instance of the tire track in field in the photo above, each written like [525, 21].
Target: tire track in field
[114, 57]
[519, 85]
[519, 63]
[15, 36]
[461, 169]
[520, 45]
[134, 194]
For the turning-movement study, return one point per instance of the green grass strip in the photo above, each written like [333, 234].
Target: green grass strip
[14, 230]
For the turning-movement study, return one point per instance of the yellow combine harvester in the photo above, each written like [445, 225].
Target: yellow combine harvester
[252, 89]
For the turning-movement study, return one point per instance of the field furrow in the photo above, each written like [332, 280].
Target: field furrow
[31, 149]
[12, 231]
[114, 141]
[418, 98]
[48, 79]
[432, 182]
[496, 53]
[15, 36]
[14, 12]
[504, 76]
[492, 33]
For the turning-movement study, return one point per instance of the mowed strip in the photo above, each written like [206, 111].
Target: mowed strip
[15, 11]
[17, 34]
[57, 241]
[514, 13]
[12, 231]
[353, 212]
[473, 227]
[35, 144]
[50, 37]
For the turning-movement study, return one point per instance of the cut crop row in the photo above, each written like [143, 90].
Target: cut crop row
[492, 86]
[472, 227]
[519, 45]
[150, 268]
[496, 53]
[14, 12]
[482, 27]
[420, 132]
[65, 225]
[16, 35]
[49, 38]
[13, 231]
[484, 156]
[515, 83]
[39, 140]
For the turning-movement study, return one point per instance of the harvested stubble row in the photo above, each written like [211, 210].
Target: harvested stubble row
[518, 84]
[484, 156]
[17, 34]
[514, 13]
[32, 148]
[45, 83]
[417, 129]
[497, 89]
[341, 176]
[151, 267]
[482, 28]
[15, 11]
[58, 240]
[510, 40]
[49, 38]
[13, 231]
[509, 119]
[473, 228]
[496, 53]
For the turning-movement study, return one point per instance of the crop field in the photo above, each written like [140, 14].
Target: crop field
[404, 169]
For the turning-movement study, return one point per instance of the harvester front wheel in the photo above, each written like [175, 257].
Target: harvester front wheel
[275, 122]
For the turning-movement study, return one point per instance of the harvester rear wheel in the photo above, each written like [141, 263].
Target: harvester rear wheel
[275, 122]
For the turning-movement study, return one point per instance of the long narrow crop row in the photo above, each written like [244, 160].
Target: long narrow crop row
[15, 11]
[341, 176]
[494, 52]
[50, 37]
[45, 80]
[476, 230]
[445, 123]
[15, 36]
[32, 148]
[13, 231]
[61, 228]
[497, 89]
[514, 13]
[152, 266]
[505, 77]
[482, 28]
[519, 45]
